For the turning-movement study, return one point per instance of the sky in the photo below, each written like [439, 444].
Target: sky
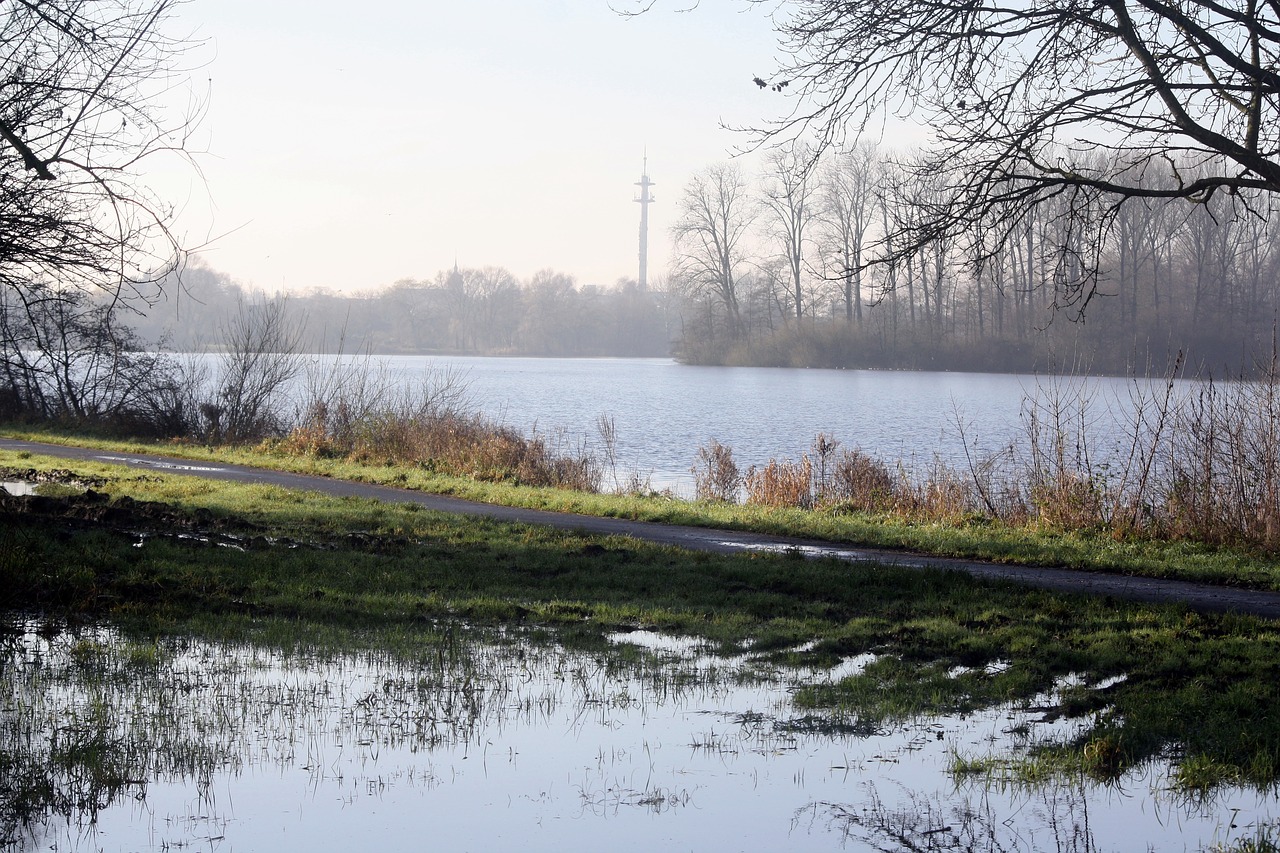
[349, 146]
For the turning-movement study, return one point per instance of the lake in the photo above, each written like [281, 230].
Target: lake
[665, 411]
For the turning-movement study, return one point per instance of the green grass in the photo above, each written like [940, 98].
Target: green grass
[976, 539]
[1204, 689]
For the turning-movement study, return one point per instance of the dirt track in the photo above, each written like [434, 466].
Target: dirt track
[1196, 596]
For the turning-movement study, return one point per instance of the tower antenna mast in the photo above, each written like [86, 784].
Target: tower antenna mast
[645, 199]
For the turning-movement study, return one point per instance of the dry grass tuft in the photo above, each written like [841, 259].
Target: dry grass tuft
[783, 483]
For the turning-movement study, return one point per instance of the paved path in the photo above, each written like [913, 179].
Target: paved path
[1197, 596]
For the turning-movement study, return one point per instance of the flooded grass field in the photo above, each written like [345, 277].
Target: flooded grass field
[462, 738]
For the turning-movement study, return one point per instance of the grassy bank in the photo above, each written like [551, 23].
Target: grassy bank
[1090, 548]
[184, 554]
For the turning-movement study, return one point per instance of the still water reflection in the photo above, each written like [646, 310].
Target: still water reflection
[463, 742]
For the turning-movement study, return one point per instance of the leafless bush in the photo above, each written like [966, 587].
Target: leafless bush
[69, 357]
[716, 476]
[1223, 468]
[861, 483]
[1063, 487]
[943, 495]
[170, 408]
[783, 484]
[261, 355]
[824, 448]
[1202, 466]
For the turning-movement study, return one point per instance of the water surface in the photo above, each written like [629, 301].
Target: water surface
[665, 411]
[513, 742]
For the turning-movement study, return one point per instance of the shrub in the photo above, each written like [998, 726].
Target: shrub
[1069, 501]
[862, 483]
[781, 484]
[716, 476]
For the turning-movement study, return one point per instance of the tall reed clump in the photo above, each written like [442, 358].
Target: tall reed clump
[785, 483]
[360, 413]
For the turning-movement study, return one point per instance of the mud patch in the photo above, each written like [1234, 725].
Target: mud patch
[150, 521]
[53, 475]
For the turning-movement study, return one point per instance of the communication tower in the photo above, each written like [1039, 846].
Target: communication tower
[645, 198]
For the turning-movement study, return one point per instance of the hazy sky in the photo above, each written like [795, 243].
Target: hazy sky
[352, 145]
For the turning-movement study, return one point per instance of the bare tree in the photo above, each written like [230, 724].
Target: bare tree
[715, 217]
[548, 324]
[1184, 94]
[787, 199]
[83, 90]
[66, 356]
[495, 294]
[848, 193]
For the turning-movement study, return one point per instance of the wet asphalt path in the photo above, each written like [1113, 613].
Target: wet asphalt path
[1195, 596]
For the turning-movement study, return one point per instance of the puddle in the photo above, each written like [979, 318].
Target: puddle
[153, 463]
[838, 552]
[655, 641]
[506, 743]
[18, 488]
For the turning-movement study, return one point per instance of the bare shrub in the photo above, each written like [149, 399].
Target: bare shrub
[861, 483]
[942, 496]
[261, 356]
[1223, 469]
[170, 406]
[784, 484]
[824, 448]
[1064, 489]
[65, 356]
[716, 476]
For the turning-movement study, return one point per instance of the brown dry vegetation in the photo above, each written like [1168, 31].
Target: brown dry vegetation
[1200, 465]
[447, 441]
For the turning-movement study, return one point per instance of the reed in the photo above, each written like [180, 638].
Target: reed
[785, 483]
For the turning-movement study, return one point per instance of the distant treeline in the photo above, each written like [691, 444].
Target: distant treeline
[468, 311]
[772, 270]
[778, 267]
